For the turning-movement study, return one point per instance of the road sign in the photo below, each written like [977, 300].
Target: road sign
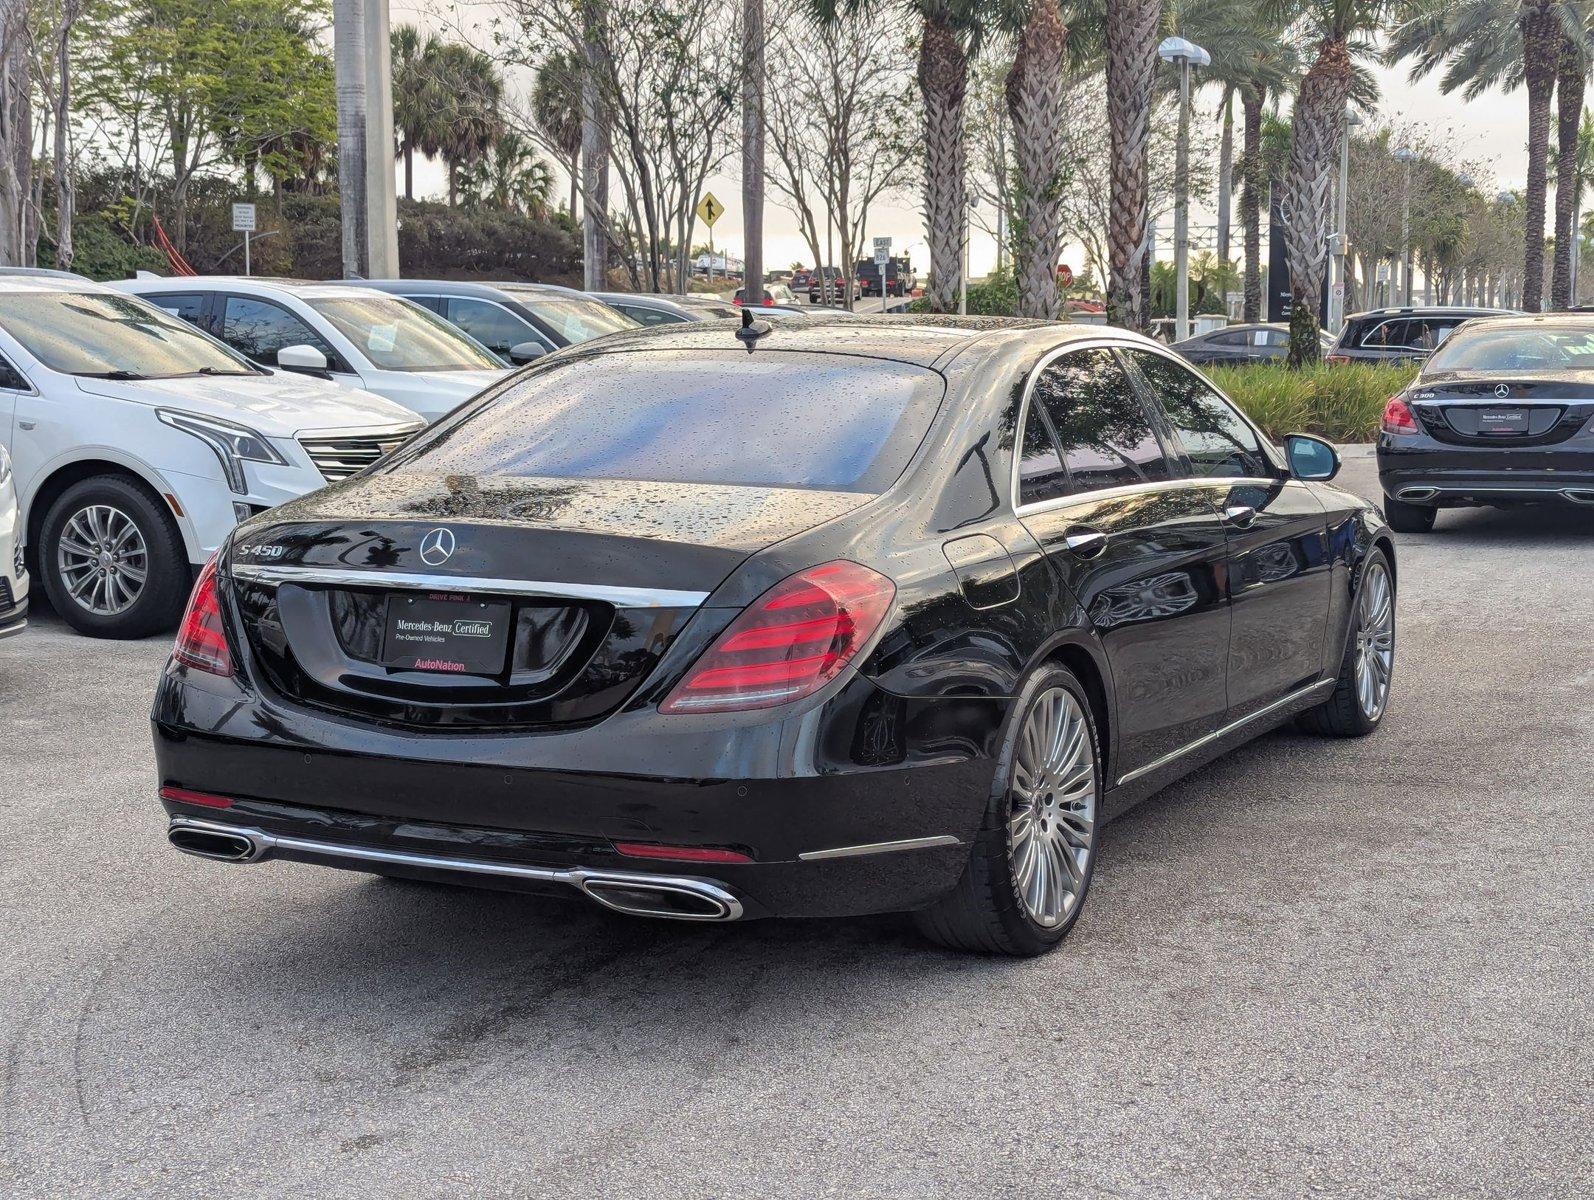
[710, 209]
[1065, 275]
[882, 251]
[243, 218]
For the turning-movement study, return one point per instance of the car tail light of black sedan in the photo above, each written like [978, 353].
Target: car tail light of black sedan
[713, 622]
[1501, 415]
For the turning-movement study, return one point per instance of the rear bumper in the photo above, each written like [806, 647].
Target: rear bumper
[825, 834]
[1422, 470]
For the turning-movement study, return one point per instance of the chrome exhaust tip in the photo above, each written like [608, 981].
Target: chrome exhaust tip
[1579, 495]
[677, 899]
[222, 845]
[1416, 495]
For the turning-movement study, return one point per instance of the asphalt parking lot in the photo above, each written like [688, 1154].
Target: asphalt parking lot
[1313, 968]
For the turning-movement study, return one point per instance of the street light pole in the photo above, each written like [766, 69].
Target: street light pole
[1336, 291]
[1184, 55]
[1406, 156]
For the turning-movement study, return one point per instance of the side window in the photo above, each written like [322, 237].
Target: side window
[1272, 337]
[258, 329]
[1217, 440]
[190, 306]
[493, 325]
[649, 316]
[1103, 429]
[1040, 467]
[11, 379]
[1389, 333]
[1237, 338]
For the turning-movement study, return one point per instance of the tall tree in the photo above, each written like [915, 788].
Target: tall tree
[1341, 29]
[753, 67]
[17, 243]
[1034, 104]
[1132, 27]
[469, 93]
[556, 111]
[1571, 75]
[414, 110]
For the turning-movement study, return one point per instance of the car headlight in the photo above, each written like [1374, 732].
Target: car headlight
[234, 444]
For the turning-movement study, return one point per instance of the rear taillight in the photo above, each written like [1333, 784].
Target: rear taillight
[1397, 416]
[788, 643]
[201, 641]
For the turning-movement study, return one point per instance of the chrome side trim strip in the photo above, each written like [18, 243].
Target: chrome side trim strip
[1322, 685]
[923, 843]
[620, 597]
[581, 878]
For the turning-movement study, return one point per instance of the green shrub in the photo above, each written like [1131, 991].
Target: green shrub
[994, 296]
[1342, 403]
[101, 252]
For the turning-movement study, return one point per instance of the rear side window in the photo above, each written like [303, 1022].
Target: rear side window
[1040, 466]
[11, 379]
[259, 329]
[1412, 333]
[650, 316]
[771, 419]
[1218, 442]
[1238, 337]
[1103, 429]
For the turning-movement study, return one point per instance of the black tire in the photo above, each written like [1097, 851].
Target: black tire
[1342, 714]
[984, 913]
[1409, 518]
[168, 578]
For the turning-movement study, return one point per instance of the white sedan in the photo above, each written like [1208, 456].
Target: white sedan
[137, 443]
[13, 575]
[354, 336]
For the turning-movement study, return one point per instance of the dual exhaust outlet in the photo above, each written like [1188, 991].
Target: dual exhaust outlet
[1421, 495]
[680, 898]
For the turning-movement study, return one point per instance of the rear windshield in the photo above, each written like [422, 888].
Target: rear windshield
[1567, 347]
[825, 421]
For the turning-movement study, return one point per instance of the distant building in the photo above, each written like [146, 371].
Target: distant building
[722, 264]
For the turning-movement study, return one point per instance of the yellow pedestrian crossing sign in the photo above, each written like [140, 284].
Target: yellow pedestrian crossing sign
[710, 209]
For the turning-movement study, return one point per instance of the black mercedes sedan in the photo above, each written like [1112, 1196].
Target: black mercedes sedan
[728, 620]
[1502, 415]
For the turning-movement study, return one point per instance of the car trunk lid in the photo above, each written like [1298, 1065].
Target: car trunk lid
[447, 601]
[1493, 411]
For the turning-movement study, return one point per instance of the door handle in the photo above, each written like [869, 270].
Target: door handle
[1084, 541]
[1239, 515]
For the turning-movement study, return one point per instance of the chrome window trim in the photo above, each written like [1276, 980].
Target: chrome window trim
[620, 597]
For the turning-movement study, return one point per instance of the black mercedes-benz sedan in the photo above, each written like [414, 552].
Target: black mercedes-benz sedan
[1502, 415]
[717, 621]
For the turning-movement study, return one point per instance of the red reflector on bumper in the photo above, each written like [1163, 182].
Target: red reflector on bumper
[681, 853]
[203, 799]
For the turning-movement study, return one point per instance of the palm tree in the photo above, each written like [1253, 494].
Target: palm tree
[469, 93]
[1034, 103]
[1483, 44]
[1571, 72]
[1342, 30]
[413, 111]
[1131, 29]
[556, 108]
[511, 176]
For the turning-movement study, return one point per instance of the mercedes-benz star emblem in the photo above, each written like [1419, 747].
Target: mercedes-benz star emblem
[437, 547]
[1501, 390]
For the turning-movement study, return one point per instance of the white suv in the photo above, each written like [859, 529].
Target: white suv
[137, 443]
[355, 336]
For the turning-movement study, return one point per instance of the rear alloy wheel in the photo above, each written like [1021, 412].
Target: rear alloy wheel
[1409, 518]
[112, 560]
[1031, 864]
[1361, 694]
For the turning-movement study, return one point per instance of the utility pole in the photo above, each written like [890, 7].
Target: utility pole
[367, 194]
[1183, 54]
[1337, 288]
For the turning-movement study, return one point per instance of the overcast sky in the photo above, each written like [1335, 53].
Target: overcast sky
[1491, 131]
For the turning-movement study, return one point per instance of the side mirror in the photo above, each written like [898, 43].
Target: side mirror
[301, 358]
[522, 353]
[1311, 458]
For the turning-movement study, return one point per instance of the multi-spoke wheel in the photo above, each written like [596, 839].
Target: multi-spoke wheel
[1031, 863]
[103, 559]
[1052, 819]
[111, 559]
[1361, 694]
[1375, 640]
